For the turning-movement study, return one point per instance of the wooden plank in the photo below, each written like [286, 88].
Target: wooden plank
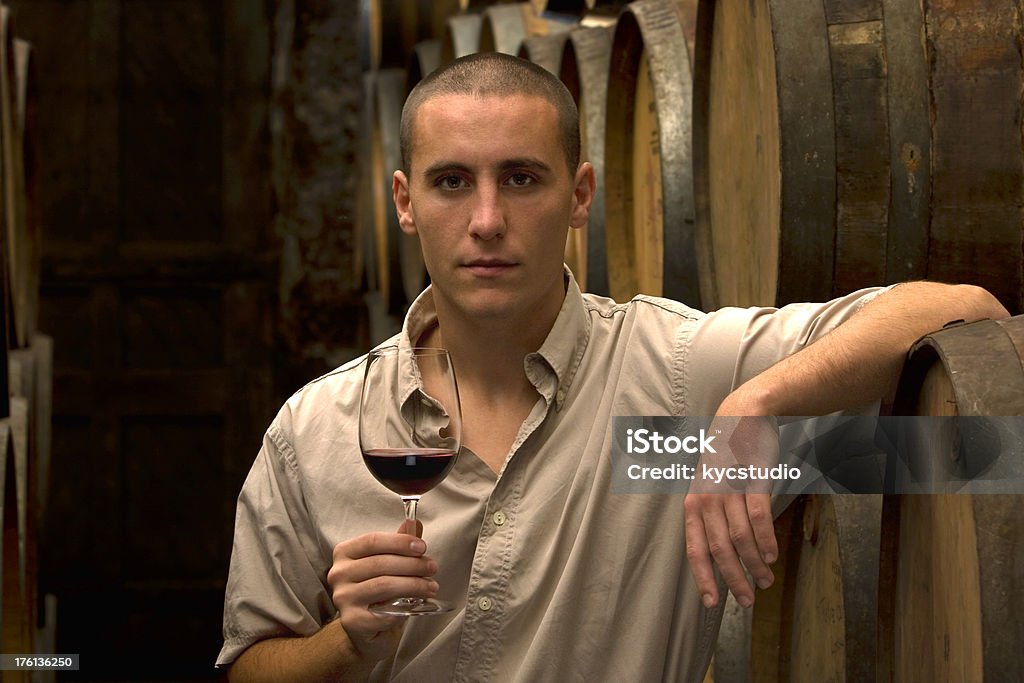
[649, 227]
[142, 392]
[171, 496]
[862, 154]
[672, 67]
[84, 507]
[42, 349]
[808, 152]
[978, 165]
[164, 262]
[101, 108]
[584, 70]
[171, 327]
[737, 131]
[247, 193]
[171, 174]
[909, 141]
[852, 11]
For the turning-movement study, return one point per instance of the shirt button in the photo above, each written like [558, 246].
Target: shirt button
[499, 518]
[484, 604]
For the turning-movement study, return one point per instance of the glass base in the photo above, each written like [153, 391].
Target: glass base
[411, 607]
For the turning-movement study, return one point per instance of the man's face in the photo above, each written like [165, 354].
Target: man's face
[491, 198]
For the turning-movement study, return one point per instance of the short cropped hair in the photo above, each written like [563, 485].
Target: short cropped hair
[486, 74]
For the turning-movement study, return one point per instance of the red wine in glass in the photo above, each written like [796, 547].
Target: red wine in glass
[410, 432]
[409, 471]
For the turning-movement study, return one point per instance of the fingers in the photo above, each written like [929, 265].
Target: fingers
[697, 552]
[412, 528]
[381, 543]
[735, 532]
[379, 567]
[759, 512]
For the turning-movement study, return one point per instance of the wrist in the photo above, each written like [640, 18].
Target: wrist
[750, 399]
[355, 664]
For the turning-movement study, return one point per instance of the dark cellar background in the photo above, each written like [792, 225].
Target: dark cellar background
[198, 171]
[197, 186]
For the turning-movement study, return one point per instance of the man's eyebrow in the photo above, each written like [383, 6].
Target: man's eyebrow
[529, 163]
[445, 167]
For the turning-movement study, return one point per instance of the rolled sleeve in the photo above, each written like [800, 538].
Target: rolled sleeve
[732, 345]
[277, 580]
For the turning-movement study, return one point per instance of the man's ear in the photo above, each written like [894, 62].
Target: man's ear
[583, 195]
[403, 203]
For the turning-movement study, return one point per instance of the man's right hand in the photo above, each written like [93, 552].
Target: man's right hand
[378, 567]
[729, 523]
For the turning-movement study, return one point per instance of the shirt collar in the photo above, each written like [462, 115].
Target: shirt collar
[551, 369]
[560, 354]
[421, 317]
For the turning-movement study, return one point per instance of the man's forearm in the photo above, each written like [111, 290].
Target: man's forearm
[860, 361]
[327, 655]
[857, 363]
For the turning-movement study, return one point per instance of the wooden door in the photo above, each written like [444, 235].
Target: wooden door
[157, 288]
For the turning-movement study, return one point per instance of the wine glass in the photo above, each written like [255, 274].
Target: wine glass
[410, 433]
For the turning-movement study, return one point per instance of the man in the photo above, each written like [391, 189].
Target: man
[554, 576]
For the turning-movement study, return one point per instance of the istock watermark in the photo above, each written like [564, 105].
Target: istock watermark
[646, 441]
[831, 454]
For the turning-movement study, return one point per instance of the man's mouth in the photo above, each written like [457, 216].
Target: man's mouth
[489, 267]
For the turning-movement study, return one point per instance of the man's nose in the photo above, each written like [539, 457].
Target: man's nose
[488, 218]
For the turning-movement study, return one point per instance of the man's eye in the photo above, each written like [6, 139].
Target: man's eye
[520, 179]
[450, 182]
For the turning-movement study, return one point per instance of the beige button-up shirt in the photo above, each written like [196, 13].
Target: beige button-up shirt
[555, 578]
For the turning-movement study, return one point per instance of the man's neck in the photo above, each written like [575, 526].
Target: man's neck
[496, 394]
[486, 355]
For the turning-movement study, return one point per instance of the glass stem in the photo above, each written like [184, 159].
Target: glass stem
[410, 510]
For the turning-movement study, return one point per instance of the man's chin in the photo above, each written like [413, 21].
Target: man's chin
[491, 312]
[490, 306]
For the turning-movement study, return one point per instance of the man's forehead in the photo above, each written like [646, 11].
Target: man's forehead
[455, 103]
[454, 120]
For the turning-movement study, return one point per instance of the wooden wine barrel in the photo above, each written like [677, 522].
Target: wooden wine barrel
[584, 70]
[544, 50]
[367, 48]
[364, 258]
[461, 37]
[24, 200]
[434, 14]
[955, 562]
[18, 436]
[818, 621]
[730, 662]
[392, 28]
[649, 202]
[16, 248]
[379, 259]
[481, 5]
[839, 145]
[14, 632]
[22, 377]
[42, 408]
[401, 275]
[426, 57]
[505, 27]
[579, 9]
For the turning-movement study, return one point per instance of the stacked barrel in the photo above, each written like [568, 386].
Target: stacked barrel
[28, 354]
[770, 151]
[747, 154]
